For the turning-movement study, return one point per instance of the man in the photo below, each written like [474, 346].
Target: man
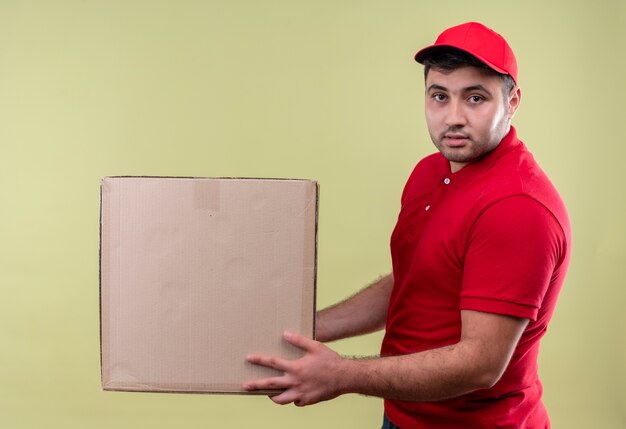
[479, 252]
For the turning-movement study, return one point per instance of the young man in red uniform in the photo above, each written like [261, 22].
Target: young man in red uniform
[479, 252]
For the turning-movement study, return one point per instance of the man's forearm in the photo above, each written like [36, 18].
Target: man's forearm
[362, 313]
[477, 361]
[432, 375]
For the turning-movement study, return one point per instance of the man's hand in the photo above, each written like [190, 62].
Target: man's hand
[477, 361]
[313, 378]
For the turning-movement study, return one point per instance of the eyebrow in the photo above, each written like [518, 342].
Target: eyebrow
[435, 87]
[476, 88]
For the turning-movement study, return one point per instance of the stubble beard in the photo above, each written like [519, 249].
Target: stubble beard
[462, 154]
[473, 150]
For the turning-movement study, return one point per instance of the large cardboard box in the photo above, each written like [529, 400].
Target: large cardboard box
[197, 273]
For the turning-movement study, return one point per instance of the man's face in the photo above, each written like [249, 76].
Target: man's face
[467, 114]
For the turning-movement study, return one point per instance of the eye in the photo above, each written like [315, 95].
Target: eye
[439, 96]
[475, 99]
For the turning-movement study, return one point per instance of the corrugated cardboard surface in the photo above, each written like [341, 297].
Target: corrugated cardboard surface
[196, 273]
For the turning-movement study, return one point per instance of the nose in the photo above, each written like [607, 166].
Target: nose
[455, 114]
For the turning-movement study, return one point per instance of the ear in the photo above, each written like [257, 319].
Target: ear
[514, 100]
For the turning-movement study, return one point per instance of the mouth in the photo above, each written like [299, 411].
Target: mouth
[455, 139]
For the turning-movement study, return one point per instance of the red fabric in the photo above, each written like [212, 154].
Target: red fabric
[493, 237]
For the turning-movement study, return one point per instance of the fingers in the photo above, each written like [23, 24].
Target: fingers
[287, 397]
[300, 341]
[272, 383]
[280, 364]
[269, 361]
[289, 381]
[281, 382]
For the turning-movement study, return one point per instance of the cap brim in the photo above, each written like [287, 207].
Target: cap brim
[426, 52]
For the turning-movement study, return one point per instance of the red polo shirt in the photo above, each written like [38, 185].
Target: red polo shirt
[492, 237]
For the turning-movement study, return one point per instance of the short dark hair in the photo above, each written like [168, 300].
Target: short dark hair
[451, 59]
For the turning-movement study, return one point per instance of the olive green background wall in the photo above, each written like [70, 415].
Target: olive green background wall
[277, 88]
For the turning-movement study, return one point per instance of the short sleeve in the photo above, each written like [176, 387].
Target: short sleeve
[513, 251]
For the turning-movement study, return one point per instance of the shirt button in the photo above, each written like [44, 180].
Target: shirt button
[446, 181]
[427, 207]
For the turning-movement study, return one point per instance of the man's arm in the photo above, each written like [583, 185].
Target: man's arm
[477, 361]
[362, 313]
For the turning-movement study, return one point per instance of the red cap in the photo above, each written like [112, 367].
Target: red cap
[479, 41]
